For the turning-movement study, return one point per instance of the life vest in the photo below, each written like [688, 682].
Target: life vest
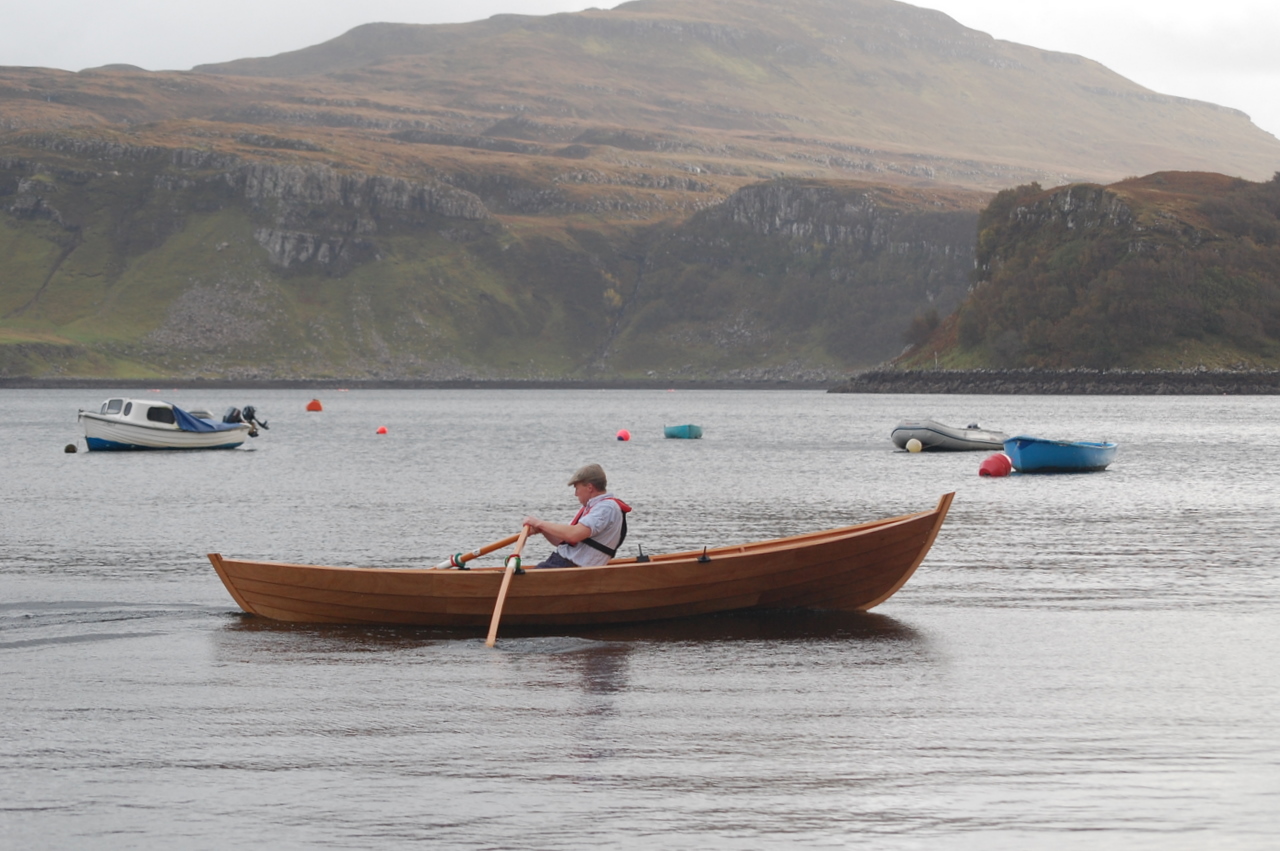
[592, 542]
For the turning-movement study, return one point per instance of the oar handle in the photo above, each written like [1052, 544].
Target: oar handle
[460, 559]
[513, 562]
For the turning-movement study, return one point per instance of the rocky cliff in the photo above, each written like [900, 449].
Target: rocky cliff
[1173, 271]
[188, 263]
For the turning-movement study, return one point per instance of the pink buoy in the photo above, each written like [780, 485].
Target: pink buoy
[623, 434]
[382, 429]
[995, 465]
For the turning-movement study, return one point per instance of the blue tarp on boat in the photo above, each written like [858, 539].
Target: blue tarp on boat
[186, 422]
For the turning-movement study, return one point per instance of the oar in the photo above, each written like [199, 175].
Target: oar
[459, 559]
[513, 564]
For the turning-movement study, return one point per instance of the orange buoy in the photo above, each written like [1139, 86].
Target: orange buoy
[995, 466]
[623, 434]
[314, 405]
[382, 429]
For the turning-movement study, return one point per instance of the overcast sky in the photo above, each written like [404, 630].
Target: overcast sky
[1223, 52]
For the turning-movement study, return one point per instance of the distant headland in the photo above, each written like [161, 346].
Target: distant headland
[1062, 382]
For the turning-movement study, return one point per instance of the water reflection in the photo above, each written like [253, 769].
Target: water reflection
[765, 625]
[245, 636]
[770, 625]
[602, 670]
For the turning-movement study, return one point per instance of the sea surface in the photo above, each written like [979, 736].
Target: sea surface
[1083, 661]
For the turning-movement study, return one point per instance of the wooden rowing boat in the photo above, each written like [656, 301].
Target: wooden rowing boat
[849, 569]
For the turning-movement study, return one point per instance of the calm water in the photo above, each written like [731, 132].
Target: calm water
[1083, 661]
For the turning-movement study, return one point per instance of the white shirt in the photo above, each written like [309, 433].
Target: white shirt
[604, 518]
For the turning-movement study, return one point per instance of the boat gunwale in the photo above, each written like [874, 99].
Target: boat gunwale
[728, 551]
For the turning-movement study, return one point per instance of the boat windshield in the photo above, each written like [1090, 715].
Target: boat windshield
[161, 415]
[111, 406]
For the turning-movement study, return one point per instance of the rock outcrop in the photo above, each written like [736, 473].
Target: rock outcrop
[1067, 382]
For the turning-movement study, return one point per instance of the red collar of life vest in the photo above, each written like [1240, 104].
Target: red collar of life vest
[626, 509]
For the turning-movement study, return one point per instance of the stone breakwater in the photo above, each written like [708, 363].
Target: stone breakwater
[1080, 382]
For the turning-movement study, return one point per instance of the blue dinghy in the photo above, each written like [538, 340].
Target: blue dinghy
[1036, 455]
[687, 432]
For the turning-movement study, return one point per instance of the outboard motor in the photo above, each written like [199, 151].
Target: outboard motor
[248, 416]
[251, 417]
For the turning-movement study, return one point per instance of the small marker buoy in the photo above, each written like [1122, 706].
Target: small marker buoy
[995, 466]
[314, 405]
[623, 434]
[70, 448]
[382, 429]
[914, 445]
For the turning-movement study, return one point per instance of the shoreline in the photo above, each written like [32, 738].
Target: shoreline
[1066, 382]
[1027, 382]
[388, 384]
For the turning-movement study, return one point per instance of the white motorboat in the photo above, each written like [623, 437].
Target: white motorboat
[151, 424]
[935, 436]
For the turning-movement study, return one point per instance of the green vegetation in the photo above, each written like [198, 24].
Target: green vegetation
[167, 271]
[1175, 270]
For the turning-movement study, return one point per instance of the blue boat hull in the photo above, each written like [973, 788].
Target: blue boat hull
[98, 444]
[687, 432]
[1035, 455]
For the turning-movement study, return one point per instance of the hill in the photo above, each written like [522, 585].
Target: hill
[1171, 271]
[727, 189]
[871, 86]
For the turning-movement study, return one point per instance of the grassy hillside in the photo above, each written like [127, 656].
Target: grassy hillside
[669, 188]
[168, 263]
[1170, 271]
[830, 85]
[733, 91]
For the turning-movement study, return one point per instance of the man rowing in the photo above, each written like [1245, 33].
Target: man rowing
[596, 531]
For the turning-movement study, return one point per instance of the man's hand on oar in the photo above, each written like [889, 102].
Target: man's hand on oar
[513, 564]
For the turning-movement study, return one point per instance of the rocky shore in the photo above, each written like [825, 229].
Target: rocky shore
[122, 384]
[1080, 382]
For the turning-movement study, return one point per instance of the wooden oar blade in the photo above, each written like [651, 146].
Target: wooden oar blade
[513, 561]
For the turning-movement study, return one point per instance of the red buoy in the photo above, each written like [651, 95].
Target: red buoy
[382, 429]
[623, 434]
[995, 465]
[314, 405]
